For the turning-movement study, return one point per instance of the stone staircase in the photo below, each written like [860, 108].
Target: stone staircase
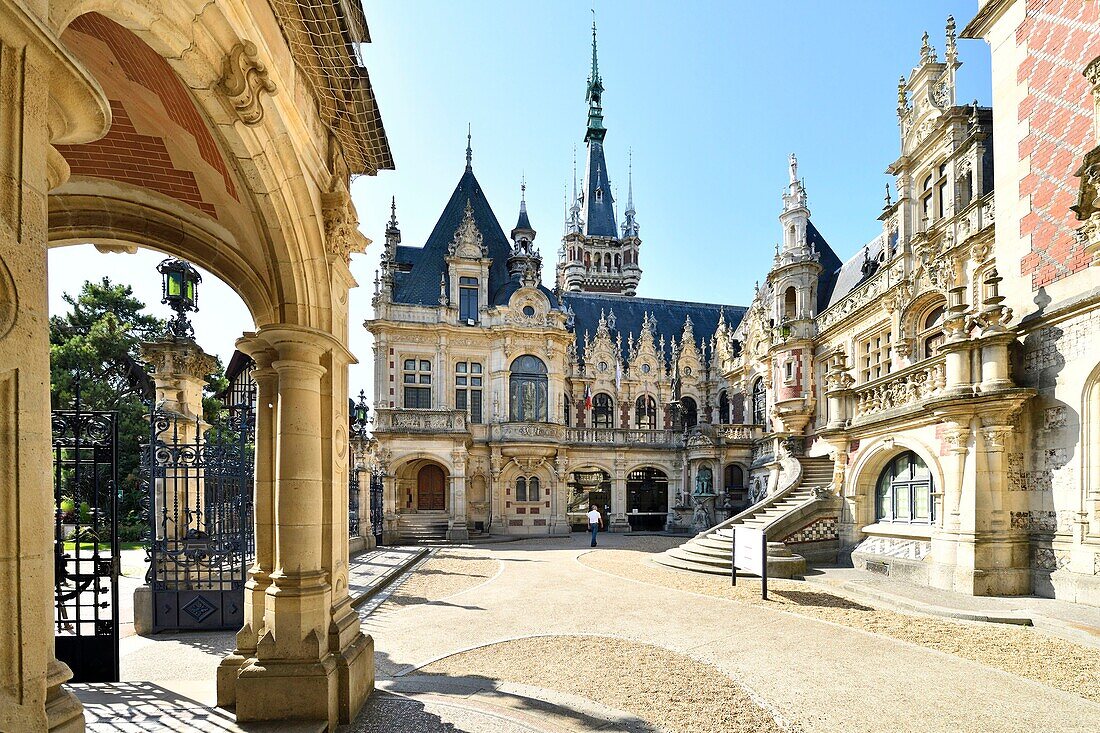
[779, 515]
[417, 527]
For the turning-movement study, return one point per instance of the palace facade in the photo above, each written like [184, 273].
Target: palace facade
[926, 407]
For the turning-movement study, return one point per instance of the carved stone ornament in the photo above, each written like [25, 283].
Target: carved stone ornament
[956, 439]
[244, 81]
[996, 437]
[342, 234]
[468, 242]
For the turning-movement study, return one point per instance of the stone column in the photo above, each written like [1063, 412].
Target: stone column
[458, 530]
[44, 98]
[312, 661]
[259, 575]
[496, 491]
[618, 521]
[957, 344]
[559, 500]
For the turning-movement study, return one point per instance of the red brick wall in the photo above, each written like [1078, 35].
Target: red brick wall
[124, 155]
[146, 67]
[1062, 37]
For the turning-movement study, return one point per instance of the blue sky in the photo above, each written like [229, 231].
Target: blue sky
[710, 96]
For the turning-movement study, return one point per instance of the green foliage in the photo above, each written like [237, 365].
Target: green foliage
[98, 341]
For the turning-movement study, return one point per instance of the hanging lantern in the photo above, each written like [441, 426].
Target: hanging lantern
[180, 292]
[360, 415]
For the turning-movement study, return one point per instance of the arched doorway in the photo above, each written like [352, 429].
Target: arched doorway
[587, 487]
[431, 492]
[646, 498]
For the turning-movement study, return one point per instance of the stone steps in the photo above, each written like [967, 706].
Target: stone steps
[710, 552]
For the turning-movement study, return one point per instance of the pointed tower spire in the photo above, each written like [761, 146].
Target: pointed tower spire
[594, 94]
[525, 262]
[630, 223]
[469, 148]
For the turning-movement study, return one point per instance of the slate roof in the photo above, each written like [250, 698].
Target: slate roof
[629, 312]
[599, 216]
[830, 263]
[420, 286]
[847, 276]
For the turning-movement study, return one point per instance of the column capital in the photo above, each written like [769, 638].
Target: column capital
[287, 336]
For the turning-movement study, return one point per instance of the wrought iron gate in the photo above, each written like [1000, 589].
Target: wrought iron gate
[353, 502]
[376, 507]
[201, 542]
[85, 465]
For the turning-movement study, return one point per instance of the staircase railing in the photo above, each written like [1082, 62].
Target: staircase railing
[790, 478]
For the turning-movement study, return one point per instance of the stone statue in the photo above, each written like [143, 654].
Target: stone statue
[703, 481]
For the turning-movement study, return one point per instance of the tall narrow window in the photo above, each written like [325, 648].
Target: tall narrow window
[874, 354]
[602, 407]
[527, 390]
[467, 299]
[941, 193]
[690, 412]
[645, 413]
[723, 408]
[534, 493]
[759, 402]
[468, 389]
[926, 200]
[568, 409]
[521, 488]
[416, 377]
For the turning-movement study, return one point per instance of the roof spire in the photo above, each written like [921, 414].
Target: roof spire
[469, 148]
[594, 94]
[393, 215]
[630, 180]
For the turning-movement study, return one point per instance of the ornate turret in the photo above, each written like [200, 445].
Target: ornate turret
[594, 256]
[525, 261]
[630, 223]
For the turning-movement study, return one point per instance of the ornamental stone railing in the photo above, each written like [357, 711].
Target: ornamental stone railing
[618, 436]
[389, 420]
[901, 389]
[738, 433]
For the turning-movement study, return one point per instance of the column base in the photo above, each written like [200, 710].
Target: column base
[619, 523]
[64, 712]
[271, 690]
[458, 533]
[227, 673]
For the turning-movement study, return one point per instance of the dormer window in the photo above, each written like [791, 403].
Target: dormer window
[467, 299]
[599, 195]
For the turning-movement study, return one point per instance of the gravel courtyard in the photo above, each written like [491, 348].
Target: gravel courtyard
[685, 652]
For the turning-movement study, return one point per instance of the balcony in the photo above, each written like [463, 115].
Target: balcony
[527, 432]
[619, 436]
[732, 433]
[390, 420]
[900, 390]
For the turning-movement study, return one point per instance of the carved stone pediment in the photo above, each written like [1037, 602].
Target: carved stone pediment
[468, 242]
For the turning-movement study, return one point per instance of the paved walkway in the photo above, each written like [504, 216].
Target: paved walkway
[1073, 621]
[821, 676]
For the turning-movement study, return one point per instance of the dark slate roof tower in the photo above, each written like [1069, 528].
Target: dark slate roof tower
[595, 257]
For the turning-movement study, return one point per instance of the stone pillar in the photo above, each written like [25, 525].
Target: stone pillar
[496, 491]
[259, 575]
[957, 344]
[618, 521]
[390, 517]
[559, 500]
[180, 367]
[311, 662]
[44, 98]
[458, 529]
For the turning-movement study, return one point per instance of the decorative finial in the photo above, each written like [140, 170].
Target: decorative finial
[927, 52]
[950, 51]
[393, 212]
[630, 180]
[792, 164]
[903, 101]
[889, 203]
[469, 147]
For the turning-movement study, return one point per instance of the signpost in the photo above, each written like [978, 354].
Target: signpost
[750, 553]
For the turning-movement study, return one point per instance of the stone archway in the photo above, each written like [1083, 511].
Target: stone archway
[171, 126]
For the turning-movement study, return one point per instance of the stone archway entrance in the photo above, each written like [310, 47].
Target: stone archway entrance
[431, 489]
[647, 498]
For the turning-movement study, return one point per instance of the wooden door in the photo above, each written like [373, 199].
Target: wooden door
[430, 493]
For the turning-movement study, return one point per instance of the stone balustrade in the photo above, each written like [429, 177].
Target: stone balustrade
[738, 433]
[527, 432]
[389, 420]
[901, 389]
[619, 436]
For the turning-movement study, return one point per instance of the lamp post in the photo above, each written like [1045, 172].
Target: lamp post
[360, 416]
[180, 291]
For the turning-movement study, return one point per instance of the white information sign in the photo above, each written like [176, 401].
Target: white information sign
[750, 555]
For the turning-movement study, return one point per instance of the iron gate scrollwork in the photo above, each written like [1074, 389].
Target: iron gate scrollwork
[201, 542]
[353, 501]
[85, 464]
[376, 506]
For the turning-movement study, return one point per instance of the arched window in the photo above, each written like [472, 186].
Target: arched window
[723, 408]
[521, 488]
[527, 389]
[618, 263]
[690, 412]
[904, 491]
[602, 408]
[599, 261]
[734, 477]
[931, 331]
[587, 260]
[645, 413]
[568, 407]
[790, 303]
[607, 262]
[759, 402]
[533, 491]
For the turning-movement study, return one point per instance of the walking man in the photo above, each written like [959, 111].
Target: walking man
[595, 521]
